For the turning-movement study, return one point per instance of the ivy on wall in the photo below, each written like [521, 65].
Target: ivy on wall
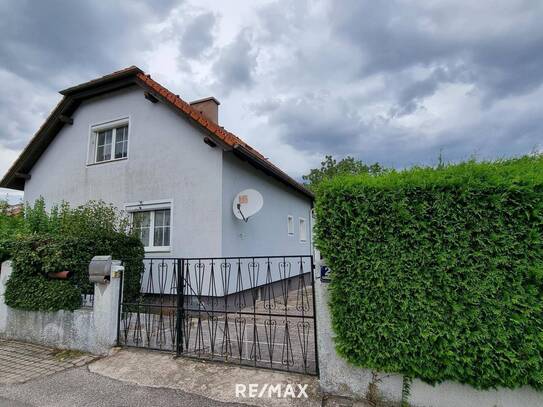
[438, 273]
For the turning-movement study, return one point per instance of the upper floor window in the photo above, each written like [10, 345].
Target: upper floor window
[109, 142]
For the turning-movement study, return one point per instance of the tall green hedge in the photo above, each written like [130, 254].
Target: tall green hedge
[438, 273]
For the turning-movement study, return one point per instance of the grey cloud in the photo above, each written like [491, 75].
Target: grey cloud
[332, 126]
[313, 123]
[59, 38]
[410, 97]
[281, 20]
[23, 106]
[198, 35]
[235, 66]
[49, 45]
[413, 49]
[264, 107]
[500, 46]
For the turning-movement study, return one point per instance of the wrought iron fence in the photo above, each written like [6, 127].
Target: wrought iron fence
[256, 311]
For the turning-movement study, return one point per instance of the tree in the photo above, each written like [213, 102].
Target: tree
[331, 168]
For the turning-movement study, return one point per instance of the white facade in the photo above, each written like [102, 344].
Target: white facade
[168, 165]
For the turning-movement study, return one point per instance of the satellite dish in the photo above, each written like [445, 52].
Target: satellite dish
[247, 203]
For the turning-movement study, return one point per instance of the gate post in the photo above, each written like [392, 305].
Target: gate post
[315, 329]
[179, 312]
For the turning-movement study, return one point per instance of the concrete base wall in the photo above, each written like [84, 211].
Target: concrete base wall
[338, 377]
[91, 330]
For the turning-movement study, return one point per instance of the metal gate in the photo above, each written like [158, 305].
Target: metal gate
[256, 311]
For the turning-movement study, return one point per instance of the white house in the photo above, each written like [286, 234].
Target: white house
[125, 139]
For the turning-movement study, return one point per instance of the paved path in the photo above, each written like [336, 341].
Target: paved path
[210, 379]
[20, 361]
[37, 376]
[78, 387]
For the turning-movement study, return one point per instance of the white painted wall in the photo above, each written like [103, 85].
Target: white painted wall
[266, 232]
[167, 159]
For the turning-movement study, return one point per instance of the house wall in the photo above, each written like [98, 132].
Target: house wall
[265, 233]
[167, 159]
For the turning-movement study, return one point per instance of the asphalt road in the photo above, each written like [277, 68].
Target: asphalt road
[79, 387]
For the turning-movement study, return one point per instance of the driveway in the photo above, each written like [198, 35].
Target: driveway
[34, 375]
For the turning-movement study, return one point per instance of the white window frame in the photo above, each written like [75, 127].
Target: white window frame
[290, 225]
[302, 231]
[152, 207]
[93, 140]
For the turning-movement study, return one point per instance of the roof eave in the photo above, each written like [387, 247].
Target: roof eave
[80, 89]
[270, 169]
[69, 103]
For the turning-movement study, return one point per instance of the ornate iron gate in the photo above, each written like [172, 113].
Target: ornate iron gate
[256, 311]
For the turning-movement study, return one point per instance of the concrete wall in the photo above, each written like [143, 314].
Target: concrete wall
[340, 378]
[167, 160]
[266, 232]
[91, 330]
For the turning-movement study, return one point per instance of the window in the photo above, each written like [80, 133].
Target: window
[121, 142]
[109, 142]
[290, 225]
[303, 230]
[153, 228]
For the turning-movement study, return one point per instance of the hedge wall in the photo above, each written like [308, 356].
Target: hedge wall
[67, 238]
[28, 288]
[35, 255]
[438, 273]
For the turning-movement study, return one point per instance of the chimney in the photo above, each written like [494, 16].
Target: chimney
[209, 107]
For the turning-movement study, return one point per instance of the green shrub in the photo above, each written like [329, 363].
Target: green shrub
[66, 239]
[28, 287]
[10, 226]
[40, 293]
[438, 273]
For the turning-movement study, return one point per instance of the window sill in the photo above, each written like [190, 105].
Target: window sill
[107, 162]
[159, 249]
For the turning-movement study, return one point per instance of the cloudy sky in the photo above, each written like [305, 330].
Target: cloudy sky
[394, 82]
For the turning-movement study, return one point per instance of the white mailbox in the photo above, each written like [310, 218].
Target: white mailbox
[100, 269]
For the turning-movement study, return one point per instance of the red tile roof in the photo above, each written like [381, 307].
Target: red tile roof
[224, 135]
[228, 138]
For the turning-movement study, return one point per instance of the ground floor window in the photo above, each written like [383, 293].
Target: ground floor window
[153, 226]
[303, 230]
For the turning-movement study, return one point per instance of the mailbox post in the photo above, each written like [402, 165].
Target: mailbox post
[100, 269]
[106, 274]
